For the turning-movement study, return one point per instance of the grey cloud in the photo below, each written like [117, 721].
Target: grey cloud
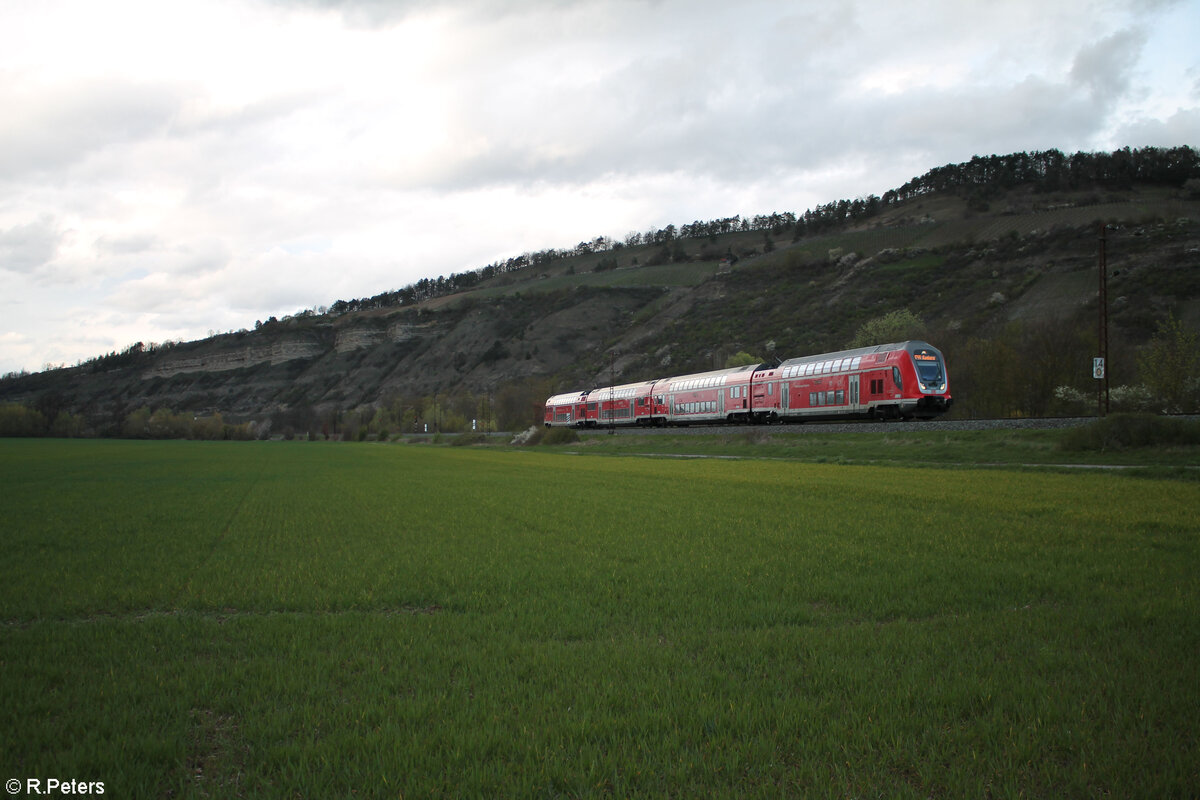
[1104, 67]
[1182, 127]
[744, 113]
[383, 13]
[57, 128]
[25, 248]
[125, 245]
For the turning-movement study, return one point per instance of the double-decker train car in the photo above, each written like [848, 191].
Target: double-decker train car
[566, 409]
[889, 381]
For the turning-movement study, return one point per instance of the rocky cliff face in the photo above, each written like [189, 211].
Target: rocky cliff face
[240, 358]
[571, 333]
[355, 360]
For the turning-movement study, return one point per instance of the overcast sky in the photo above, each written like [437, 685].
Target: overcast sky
[173, 168]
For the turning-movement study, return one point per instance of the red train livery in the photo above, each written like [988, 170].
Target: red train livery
[889, 381]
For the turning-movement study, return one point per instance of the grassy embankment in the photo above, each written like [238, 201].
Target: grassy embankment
[1148, 445]
[292, 619]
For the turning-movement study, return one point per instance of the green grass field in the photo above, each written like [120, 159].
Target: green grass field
[190, 619]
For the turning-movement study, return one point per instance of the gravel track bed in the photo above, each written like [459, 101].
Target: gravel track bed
[861, 427]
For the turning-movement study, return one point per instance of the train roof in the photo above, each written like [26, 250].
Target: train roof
[566, 398]
[910, 345]
[713, 373]
[623, 390]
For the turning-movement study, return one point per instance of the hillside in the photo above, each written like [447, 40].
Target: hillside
[1019, 268]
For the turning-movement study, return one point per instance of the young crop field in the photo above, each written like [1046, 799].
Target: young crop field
[287, 619]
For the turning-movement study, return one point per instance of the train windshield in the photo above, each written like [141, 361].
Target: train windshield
[929, 367]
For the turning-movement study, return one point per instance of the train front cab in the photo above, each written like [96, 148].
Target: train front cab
[931, 386]
[914, 382]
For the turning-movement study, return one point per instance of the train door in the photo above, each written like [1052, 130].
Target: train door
[783, 396]
[854, 392]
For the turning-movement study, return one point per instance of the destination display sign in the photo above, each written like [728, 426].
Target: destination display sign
[924, 357]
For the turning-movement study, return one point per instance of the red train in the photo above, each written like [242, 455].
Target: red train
[888, 381]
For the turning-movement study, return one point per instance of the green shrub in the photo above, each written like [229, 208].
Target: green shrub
[1120, 431]
[560, 436]
[466, 439]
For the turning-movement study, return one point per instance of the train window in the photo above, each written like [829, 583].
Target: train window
[841, 397]
[854, 364]
[896, 376]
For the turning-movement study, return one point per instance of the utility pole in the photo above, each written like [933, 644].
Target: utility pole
[1100, 365]
[612, 379]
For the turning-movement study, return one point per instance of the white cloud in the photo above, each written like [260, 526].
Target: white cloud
[167, 169]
